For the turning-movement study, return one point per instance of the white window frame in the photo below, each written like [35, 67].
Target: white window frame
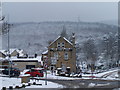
[66, 56]
[56, 55]
[62, 44]
[58, 44]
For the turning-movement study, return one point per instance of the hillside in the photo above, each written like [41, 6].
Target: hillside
[34, 37]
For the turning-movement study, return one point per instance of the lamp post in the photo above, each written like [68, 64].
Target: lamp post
[45, 66]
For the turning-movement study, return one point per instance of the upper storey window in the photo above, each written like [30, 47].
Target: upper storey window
[61, 44]
[58, 45]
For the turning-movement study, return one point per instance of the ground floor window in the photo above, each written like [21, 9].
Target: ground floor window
[30, 66]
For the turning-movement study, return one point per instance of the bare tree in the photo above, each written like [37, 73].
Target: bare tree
[90, 52]
[110, 48]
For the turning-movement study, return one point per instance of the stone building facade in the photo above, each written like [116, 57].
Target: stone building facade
[62, 54]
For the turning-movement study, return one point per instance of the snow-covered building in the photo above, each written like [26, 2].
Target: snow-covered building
[27, 63]
[12, 52]
[2, 55]
[62, 54]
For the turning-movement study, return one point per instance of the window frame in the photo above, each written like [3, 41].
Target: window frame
[66, 56]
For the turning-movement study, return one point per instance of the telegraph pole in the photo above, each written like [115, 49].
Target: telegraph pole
[8, 29]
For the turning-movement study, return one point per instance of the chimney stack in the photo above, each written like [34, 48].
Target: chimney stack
[73, 39]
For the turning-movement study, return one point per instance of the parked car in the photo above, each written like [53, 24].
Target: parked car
[35, 72]
[13, 71]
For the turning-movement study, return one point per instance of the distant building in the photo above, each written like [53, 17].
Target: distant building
[2, 55]
[19, 59]
[62, 54]
[12, 53]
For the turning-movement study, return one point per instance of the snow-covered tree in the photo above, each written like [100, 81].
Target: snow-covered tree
[110, 49]
[90, 52]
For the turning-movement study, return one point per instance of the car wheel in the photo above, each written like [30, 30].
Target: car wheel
[37, 75]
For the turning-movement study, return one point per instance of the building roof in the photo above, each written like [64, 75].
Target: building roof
[37, 59]
[63, 38]
[20, 51]
[45, 52]
[25, 59]
[67, 40]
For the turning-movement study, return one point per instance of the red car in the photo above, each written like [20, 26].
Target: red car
[36, 72]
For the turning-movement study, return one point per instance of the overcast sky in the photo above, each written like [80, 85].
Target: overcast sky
[66, 11]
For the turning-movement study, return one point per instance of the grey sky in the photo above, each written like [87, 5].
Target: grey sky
[66, 11]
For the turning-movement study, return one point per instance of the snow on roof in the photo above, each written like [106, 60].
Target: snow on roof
[39, 58]
[2, 51]
[1, 59]
[23, 59]
[20, 51]
[67, 40]
[45, 52]
[11, 50]
[54, 40]
[63, 38]
[59, 68]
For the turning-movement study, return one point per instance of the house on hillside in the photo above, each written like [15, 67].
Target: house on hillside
[12, 52]
[62, 54]
[2, 55]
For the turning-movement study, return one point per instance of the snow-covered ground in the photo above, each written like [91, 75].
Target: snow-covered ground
[49, 84]
[109, 75]
[93, 85]
[6, 82]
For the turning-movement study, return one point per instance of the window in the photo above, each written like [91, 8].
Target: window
[63, 45]
[66, 56]
[58, 45]
[56, 55]
[30, 66]
[53, 61]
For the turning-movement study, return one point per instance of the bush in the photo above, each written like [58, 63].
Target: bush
[23, 86]
[17, 87]
[10, 87]
[29, 84]
[4, 88]
[34, 83]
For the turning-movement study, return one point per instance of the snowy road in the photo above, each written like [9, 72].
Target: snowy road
[87, 83]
